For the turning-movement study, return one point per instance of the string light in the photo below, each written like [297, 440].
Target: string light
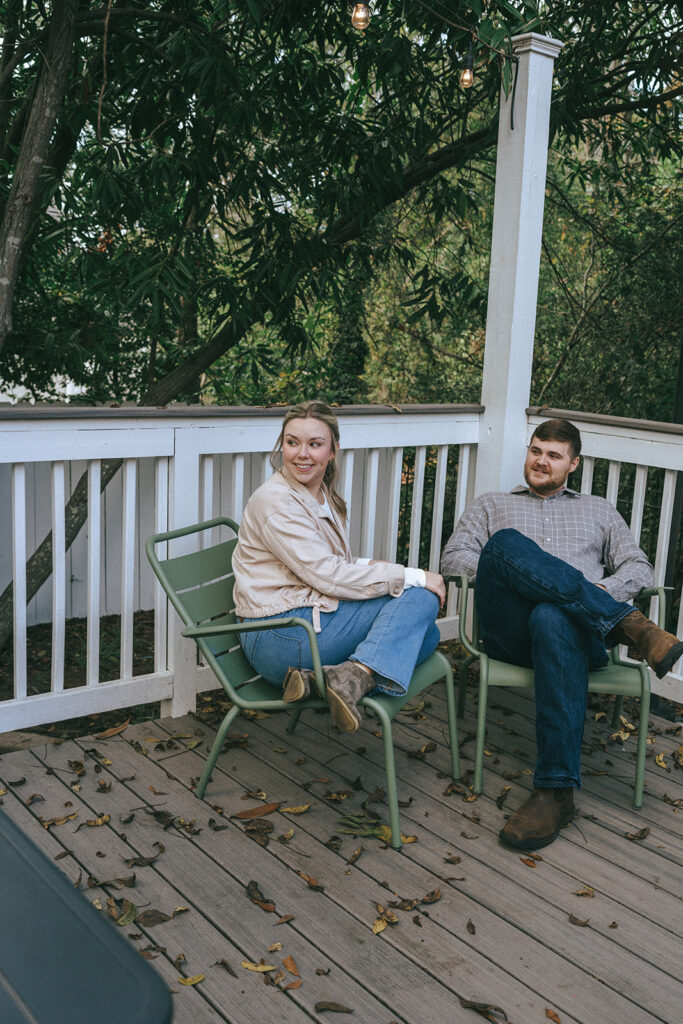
[360, 16]
[467, 70]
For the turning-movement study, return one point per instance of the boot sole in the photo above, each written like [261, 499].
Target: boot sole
[669, 660]
[294, 687]
[343, 716]
[534, 844]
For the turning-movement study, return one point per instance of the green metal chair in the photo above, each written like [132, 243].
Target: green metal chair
[619, 677]
[199, 585]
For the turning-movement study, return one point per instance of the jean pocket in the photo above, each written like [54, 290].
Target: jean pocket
[250, 644]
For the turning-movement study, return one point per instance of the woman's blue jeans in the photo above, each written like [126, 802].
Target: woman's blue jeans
[537, 610]
[391, 635]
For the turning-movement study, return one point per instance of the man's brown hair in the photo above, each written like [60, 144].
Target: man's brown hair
[559, 430]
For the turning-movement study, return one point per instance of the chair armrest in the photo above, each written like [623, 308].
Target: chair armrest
[197, 632]
[463, 584]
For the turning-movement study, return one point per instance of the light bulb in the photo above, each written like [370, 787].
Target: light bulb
[467, 70]
[360, 16]
[466, 78]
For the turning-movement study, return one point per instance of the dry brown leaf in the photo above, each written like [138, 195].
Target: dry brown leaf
[432, 897]
[334, 1007]
[577, 921]
[256, 812]
[551, 1015]
[311, 882]
[587, 891]
[488, 1010]
[642, 833]
[296, 810]
[470, 927]
[285, 918]
[260, 968]
[62, 820]
[114, 731]
[275, 948]
[660, 760]
[194, 980]
[529, 862]
[257, 897]
[379, 926]
[292, 984]
[289, 963]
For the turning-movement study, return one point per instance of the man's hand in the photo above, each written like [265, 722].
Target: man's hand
[434, 582]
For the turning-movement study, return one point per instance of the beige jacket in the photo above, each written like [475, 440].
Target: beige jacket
[291, 554]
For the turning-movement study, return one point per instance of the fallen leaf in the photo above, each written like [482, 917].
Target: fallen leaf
[279, 750]
[286, 836]
[257, 897]
[587, 891]
[470, 927]
[143, 862]
[224, 963]
[379, 926]
[275, 979]
[285, 918]
[355, 855]
[194, 980]
[322, 971]
[180, 959]
[452, 860]
[256, 812]
[489, 1010]
[432, 897]
[311, 882]
[62, 820]
[275, 948]
[260, 968]
[335, 1007]
[292, 984]
[95, 822]
[342, 794]
[613, 925]
[290, 964]
[551, 1015]
[660, 760]
[577, 921]
[193, 743]
[466, 835]
[387, 915]
[128, 914]
[529, 862]
[642, 833]
[158, 792]
[76, 766]
[502, 796]
[114, 731]
[296, 810]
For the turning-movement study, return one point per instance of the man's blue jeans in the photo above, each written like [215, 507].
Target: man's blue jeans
[391, 635]
[536, 610]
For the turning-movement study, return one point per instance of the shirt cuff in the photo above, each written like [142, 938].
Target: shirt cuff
[414, 577]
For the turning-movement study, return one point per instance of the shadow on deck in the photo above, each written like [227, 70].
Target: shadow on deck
[478, 923]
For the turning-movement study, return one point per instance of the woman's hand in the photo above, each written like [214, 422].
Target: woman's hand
[434, 582]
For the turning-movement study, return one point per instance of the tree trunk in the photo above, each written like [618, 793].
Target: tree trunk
[23, 198]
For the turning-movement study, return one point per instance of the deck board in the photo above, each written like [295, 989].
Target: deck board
[500, 932]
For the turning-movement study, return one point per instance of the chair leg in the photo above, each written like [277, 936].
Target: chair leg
[462, 684]
[452, 721]
[481, 730]
[293, 721]
[390, 771]
[618, 707]
[215, 750]
[642, 737]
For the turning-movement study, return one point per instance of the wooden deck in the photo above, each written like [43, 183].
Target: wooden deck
[487, 925]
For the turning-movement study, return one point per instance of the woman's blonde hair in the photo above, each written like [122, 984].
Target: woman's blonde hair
[318, 411]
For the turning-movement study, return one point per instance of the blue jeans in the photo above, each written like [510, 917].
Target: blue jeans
[391, 635]
[536, 610]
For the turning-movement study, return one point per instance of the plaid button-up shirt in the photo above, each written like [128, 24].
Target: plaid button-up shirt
[582, 529]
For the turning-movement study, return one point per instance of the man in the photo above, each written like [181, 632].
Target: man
[554, 570]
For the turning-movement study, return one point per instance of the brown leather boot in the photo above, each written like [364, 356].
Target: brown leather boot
[661, 650]
[297, 684]
[538, 821]
[346, 684]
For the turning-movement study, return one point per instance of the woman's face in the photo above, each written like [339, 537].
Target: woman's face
[307, 448]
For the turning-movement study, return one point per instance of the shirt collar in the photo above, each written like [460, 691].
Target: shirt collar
[524, 489]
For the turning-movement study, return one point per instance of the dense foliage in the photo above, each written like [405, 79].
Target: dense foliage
[251, 202]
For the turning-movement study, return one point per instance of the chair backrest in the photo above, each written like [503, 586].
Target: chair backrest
[200, 585]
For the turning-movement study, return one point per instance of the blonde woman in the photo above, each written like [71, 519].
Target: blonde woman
[375, 620]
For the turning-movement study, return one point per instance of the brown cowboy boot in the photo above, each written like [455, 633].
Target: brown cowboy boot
[346, 684]
[296, 685]
[538, 821]
[661, 650]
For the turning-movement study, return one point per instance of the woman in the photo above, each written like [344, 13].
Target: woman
[375, 620]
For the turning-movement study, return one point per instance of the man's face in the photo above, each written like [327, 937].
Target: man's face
[547, 465]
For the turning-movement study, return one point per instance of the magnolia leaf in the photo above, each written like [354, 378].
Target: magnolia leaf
[114, 731]
[256, 812]
[296, 810]
[260, 968]
[290, 964]
[194, 980]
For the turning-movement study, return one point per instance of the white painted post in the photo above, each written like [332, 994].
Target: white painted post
[515, 257]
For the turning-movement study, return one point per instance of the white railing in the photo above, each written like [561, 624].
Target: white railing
[406, 474]
[179, 466]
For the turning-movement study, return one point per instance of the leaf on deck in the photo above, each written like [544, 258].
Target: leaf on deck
[490, 1011]
[143, 862]
[194, 980]
[551, 1015]
[289, 963]
[257, 897]
[334, 1007]
[114, 731]
[577, 921]
[642, 833]
[256, 812]
[312, 883]
[224, 963]
[260, 968]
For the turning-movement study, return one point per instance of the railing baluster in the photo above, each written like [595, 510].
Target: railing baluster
[346, 485]
[416, 513]
[613, 475]
[587, 474]
[19, 572]
[128, 567]
[206, 538]
[437, 514]
[639, 492]
[160, 600]
[58, 576]
[462, 487]
[237, 489]
[370, 502]
[92, 672]
[664, 532]
[396, 470]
